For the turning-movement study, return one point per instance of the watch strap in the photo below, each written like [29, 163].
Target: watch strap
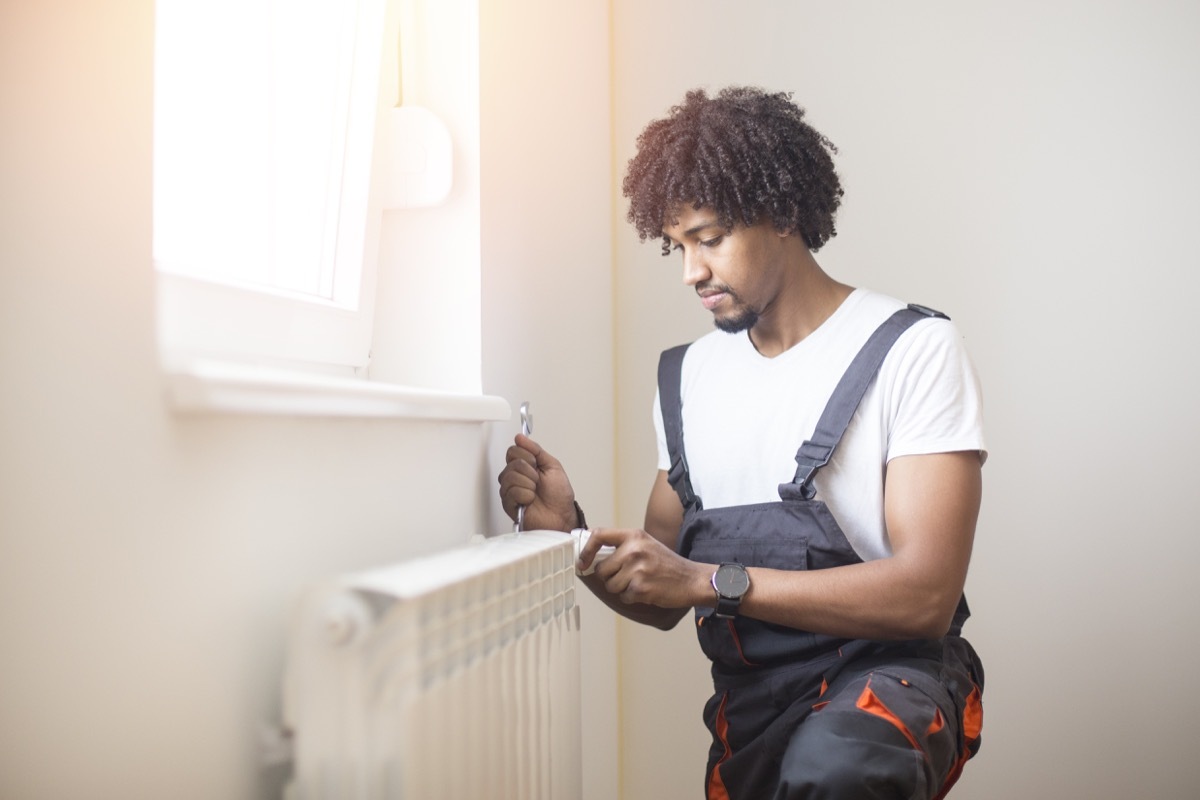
[727, 607]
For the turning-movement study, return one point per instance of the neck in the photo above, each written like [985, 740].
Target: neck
[807, 298]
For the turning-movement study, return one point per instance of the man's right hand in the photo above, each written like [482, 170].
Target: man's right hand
[535, 479]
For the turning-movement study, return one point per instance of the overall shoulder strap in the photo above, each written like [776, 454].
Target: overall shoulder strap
[816, 452]
[670, 369]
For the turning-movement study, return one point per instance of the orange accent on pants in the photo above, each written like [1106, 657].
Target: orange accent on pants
[868, 701]
[972, 727]
[737, 642]
[716, 786]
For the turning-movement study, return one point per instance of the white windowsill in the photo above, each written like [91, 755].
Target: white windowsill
[198, 386]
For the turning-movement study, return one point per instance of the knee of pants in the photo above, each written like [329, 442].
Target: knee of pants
[845, 756]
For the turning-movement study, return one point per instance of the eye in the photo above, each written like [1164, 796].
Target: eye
[713, 242]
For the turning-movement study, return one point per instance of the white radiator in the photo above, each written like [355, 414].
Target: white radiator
[453, 677]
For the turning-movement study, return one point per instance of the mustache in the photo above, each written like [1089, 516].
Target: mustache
[709, 287]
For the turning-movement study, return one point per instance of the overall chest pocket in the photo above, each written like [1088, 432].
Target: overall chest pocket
[783, 536]
[774, 553]
[771, 535]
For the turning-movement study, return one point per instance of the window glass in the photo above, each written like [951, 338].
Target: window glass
[265, 117]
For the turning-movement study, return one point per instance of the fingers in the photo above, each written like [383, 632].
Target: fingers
[540, 458]
[513, 496]
[518, 479]
[532, 477]
[518, 484]
[641, 569]
[518, 466]
[530, 452]
[621, 572]
[608, 571]
[599, 537]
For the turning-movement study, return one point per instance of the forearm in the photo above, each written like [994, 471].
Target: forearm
[883, 599]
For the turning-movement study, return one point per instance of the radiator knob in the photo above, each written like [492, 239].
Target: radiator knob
[345, 619]
[581, 538]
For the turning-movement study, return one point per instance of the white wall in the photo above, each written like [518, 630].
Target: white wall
[1029, 167]
[148, 561]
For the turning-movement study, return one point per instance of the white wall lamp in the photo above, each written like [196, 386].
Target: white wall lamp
[418, 148]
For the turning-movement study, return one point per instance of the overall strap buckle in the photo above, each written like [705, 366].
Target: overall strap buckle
[809, 458]
[681, 481]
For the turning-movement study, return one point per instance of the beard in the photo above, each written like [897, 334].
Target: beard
[743, 320]
[741, 317]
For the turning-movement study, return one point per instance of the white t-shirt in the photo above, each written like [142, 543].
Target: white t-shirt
[744, 415]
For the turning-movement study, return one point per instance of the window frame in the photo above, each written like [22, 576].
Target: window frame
[214, 317]
[230, 372]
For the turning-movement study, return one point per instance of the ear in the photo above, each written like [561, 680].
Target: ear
[783, 233]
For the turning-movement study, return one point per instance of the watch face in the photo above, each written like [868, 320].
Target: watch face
[731, 580]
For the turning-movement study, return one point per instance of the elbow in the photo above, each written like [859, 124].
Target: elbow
[930, 620]
[662, 618]
[932, 630]
[669, 619]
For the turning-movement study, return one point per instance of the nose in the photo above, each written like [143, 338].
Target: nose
[695, 270]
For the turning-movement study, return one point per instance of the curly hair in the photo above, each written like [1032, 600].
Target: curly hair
[747, 154]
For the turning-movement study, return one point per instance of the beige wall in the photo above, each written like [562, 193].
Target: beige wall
[148, 561]
[547, 281]
[1030, 167]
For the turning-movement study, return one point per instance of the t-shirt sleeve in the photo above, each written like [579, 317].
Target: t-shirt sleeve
[937, 402]
[664, 455]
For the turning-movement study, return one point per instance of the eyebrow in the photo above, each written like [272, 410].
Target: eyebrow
[711, 223]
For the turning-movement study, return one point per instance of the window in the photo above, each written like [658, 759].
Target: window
[278, 143]
[265, 236]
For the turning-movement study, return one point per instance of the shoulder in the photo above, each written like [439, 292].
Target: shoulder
[926, 337]
[931, 392]
[929, 340]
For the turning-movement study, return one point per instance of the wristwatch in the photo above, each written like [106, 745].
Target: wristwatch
[731, 582]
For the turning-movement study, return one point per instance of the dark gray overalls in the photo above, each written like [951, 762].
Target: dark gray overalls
[797, 714]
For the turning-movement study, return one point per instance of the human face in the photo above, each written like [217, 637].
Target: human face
[736, 272]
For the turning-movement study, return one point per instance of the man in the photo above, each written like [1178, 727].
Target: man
[819, 477]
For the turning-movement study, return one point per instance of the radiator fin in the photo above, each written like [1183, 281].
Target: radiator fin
[453, 677]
